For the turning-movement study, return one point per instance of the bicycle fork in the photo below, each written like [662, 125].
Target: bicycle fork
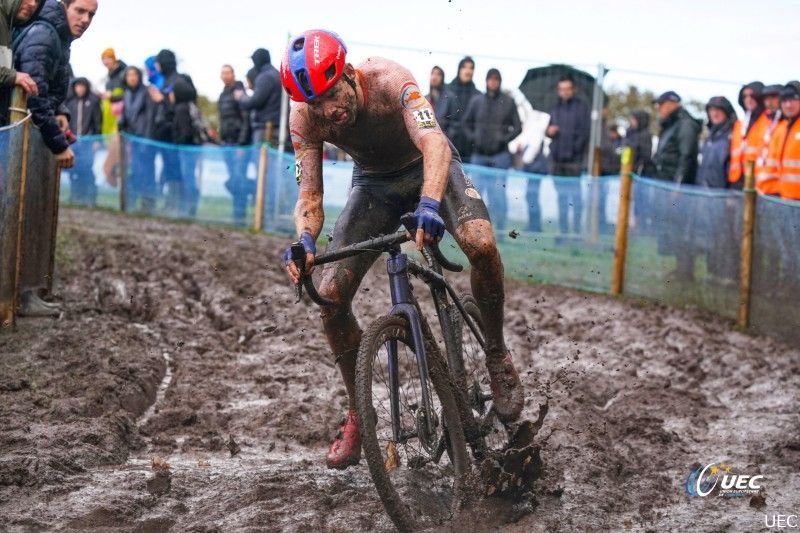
[403, 305]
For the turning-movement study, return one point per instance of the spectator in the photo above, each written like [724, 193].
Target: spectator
[767, 182]
[529, 146]
[569, 127]
[748, 133]
[437, 86]
[138, 114]
[610, 165]
[154, 77]
[715, 231]
[715, 153]
[85, 119]
[184, 100]
[785, 145]
[234, 126]
[453, 104]
[115, 89]
[490, 122]
[42, 50]
[176, 174]
[13, 12]
[264, 104]
[640, 141]
[676, 162]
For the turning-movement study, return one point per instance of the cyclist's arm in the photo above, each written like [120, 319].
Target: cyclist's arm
[427, 136]
[308, 213]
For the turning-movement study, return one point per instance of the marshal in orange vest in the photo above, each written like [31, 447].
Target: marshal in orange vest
[746, 147]
[784, 158]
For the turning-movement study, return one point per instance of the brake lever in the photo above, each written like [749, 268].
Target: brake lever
[298, 252]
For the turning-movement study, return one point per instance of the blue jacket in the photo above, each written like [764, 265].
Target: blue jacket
[264, 104]
[715, 156]
[43, 53]
[574, 121]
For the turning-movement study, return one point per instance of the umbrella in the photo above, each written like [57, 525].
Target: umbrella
[539, 85]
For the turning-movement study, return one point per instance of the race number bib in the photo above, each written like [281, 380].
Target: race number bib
[425, 118]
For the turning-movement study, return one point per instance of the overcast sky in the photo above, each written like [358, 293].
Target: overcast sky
[733, 41]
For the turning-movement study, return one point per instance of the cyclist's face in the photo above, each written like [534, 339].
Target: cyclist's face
[337, 105]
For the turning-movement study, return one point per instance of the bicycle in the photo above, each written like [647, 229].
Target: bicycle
[416, 410]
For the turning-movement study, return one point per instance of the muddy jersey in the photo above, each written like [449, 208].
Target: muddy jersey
[384, 138]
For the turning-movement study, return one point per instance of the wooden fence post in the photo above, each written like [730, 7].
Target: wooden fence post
[12, 225]
[749, 213]
[595, 212]
[621, 238]
[260, 186]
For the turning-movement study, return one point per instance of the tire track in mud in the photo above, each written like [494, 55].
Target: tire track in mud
[638, 394]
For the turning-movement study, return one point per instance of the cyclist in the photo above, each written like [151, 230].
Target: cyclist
[402, 162]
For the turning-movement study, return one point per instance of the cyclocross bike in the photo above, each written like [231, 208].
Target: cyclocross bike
[417, 413]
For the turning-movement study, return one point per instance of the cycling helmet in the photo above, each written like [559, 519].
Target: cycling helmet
[312, 64]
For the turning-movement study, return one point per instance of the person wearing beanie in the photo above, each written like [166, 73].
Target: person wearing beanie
[490, 122]
[264, 105]
[453, 104]
[676, 162]
[715, 152]
[783, 160]
[748, 132]
[766, 180]
[436, 86]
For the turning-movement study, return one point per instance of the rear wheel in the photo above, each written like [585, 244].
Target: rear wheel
[474, 381]
[419, 476]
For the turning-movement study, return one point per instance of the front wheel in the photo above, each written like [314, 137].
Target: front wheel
[420, 475]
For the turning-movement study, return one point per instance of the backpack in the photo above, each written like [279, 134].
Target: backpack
[199, 130]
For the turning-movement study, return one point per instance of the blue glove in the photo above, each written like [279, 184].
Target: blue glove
[308, 242]
[427, 217]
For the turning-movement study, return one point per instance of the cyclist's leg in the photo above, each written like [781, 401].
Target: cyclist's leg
[467, 219]
[369, 212]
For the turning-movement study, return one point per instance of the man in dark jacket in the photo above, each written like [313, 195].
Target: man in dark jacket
[676, 161]
[490, 122]
[453, 104]
[42, 49]
[136, 121]
[85, 119]
[264, 104]
[569, 127]
[234, 130]
[13, 13]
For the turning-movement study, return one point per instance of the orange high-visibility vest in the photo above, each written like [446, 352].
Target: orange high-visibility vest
[746, 147]
[767, 175]
[786, 150]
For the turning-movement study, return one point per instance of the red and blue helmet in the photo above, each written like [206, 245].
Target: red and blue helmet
[314, 61]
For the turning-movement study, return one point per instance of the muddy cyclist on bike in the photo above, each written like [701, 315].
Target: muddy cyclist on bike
[403, 162]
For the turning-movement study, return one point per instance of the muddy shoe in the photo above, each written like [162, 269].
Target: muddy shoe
[32, 306]
[507, 393]
[346, 448]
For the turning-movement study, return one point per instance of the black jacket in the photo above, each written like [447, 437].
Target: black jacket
[676, 155]
[641, 143]
[573, 119]
[116, 82]
[43, 52]
[183, 130]
[164, 123]
[138, 111]
[234, 122]
[491, 122]
[264, 104]
[450, 109]
[85, 115]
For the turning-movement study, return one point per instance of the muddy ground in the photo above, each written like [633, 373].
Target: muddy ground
[184, 343]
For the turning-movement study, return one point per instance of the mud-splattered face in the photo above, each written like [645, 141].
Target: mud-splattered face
[338, 106]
